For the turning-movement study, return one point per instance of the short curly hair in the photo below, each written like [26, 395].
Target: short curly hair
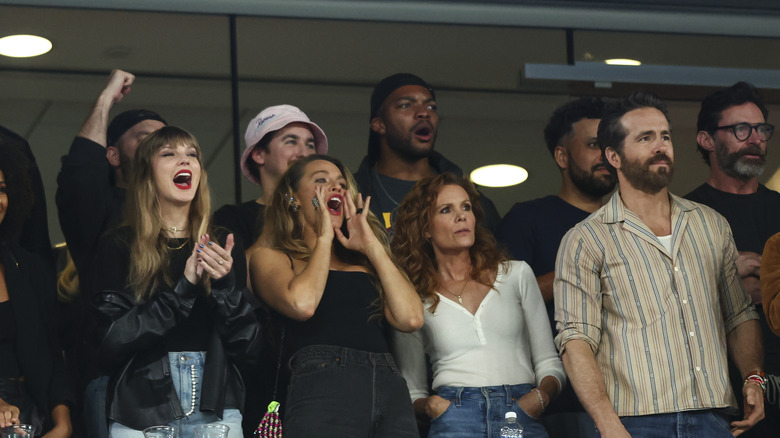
[562, 121]
[16, 168]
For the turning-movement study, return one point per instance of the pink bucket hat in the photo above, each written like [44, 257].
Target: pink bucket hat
[273, 119]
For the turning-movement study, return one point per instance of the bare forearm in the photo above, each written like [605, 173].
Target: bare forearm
[549, 388]
[96, 124]
[746, 347]
[588, 383]
[546, 286]
[62, 425]
[403, 306]
[306, 289]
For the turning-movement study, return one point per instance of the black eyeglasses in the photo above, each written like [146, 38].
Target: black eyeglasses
[743, 130]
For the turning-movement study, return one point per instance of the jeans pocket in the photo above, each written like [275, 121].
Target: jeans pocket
[313, 366]
[449, 409]
[720, 421]
[522, 411]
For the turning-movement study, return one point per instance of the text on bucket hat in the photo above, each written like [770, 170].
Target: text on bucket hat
[270, 120]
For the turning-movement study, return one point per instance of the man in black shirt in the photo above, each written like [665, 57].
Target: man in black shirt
[732, 139]
[403, 127]
[532, 230]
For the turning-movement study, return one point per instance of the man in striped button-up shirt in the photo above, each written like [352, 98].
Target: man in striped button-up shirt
[648, 299]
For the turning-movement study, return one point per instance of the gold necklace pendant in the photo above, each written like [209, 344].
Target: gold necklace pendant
[459, 297]
[173, 230]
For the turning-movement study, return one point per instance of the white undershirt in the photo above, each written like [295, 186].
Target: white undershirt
[666, 241]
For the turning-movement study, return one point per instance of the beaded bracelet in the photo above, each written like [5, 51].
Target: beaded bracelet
[758, 377]
[755, 378]
[541, 399]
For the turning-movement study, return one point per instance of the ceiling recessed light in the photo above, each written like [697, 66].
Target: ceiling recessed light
[24, 46]
[622, 61]
[499, 175]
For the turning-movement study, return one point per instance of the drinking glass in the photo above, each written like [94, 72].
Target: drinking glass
[213, 430]
[17, 431]
[160, 432]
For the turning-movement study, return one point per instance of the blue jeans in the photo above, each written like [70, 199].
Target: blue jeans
[187, 376]
[95, 418]
[479, 412]
[688, 424]
[342, 392]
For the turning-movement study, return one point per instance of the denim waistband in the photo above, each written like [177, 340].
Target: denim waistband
[197, 358]
[345, 356]
[508, 392]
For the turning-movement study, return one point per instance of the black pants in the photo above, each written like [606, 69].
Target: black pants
[341, 392]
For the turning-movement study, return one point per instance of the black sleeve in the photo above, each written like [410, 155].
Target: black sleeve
[492, 217]
[41, 277]
[516, 235]
[124, 324]
[235, 322]
[86, 200]
[227, 220]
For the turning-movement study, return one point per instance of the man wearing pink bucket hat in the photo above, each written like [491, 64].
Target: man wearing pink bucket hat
[275, 138]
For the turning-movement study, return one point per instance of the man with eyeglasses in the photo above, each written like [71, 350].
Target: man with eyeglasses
[732, 139]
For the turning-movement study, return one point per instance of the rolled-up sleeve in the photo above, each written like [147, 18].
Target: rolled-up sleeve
[577, 291]
[735, 303]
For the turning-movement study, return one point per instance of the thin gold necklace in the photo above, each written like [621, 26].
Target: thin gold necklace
[173, 230]
[172, 248]
[459, 296]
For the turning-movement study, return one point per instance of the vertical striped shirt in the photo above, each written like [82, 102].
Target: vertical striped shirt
[656, 321]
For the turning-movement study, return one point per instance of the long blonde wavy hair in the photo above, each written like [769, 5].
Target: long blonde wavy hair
[149, 251]
[283, 229]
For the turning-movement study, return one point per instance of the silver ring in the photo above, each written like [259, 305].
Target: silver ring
[221, 261]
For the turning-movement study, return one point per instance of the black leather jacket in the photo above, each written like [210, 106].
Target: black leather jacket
[132, 348]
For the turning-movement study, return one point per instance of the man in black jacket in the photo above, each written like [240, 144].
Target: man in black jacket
[404, 123]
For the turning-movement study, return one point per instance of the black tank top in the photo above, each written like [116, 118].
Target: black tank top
[348, 316]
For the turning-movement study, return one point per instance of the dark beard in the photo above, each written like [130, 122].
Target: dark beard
[588, 183]
[642, 178]
[404, 149]
[125, 165]
[733, 165]
[401, 144]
